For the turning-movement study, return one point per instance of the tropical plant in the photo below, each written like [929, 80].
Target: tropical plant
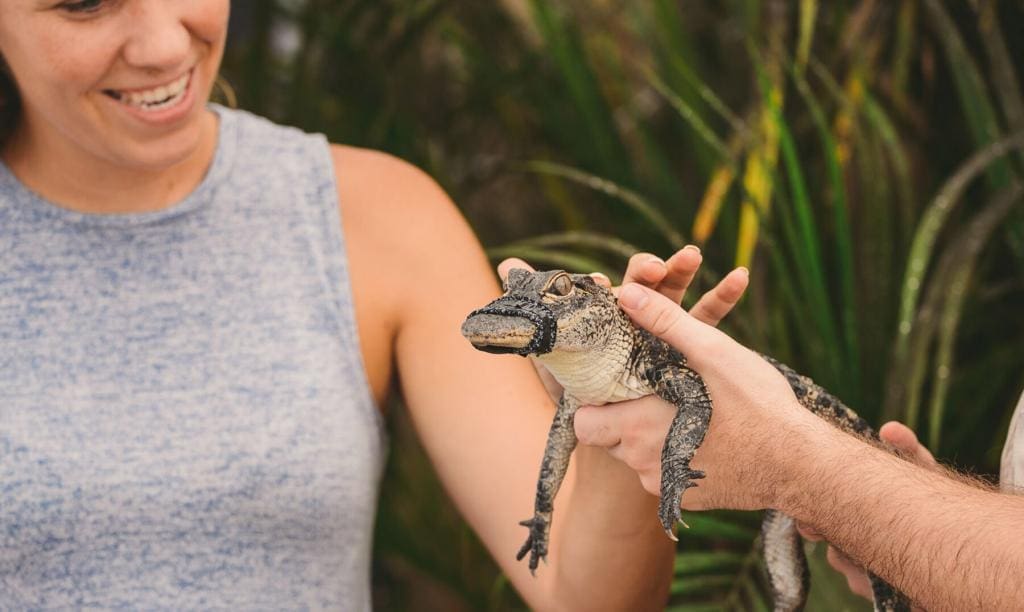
[863, 158]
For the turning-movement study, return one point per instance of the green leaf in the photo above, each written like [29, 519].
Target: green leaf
[581, 239]
[633, 200]
[931, 224]
[707, 525]
[970, 86]
[962, 258]
[708, 562]
[571, 262]
[843, 239]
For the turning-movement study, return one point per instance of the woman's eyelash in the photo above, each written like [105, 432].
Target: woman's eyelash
[82, 6]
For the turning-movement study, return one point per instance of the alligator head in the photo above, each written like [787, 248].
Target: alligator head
[544, 312]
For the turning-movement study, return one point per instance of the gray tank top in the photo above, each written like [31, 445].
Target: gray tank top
[185, 421]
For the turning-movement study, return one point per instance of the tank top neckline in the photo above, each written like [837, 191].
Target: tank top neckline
[198, 198]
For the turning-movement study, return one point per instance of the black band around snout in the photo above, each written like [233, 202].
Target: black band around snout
[539, 314]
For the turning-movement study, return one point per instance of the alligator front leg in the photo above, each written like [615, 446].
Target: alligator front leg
[684, 388]
[561, 442]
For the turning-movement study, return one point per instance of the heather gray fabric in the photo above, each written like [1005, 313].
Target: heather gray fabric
[1011, 476]
[184, 417]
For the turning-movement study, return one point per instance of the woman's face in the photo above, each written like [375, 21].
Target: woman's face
[122, 81]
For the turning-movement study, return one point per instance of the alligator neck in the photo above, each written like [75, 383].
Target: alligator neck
[602, 374]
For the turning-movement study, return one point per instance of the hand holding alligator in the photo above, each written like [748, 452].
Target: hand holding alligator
[754, 405]
[633, 431]
[576, 328]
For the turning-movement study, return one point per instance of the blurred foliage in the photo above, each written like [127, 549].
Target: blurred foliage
[863, 157]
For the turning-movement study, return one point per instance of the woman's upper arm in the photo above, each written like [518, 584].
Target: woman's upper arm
[482, 418]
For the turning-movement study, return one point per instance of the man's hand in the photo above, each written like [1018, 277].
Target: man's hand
[750, 399]
[903, 440]
[634, 431]
[903, 522]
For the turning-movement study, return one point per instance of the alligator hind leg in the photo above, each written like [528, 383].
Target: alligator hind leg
[785, 561]
[561, 442]
[684, 388]
[886, 597]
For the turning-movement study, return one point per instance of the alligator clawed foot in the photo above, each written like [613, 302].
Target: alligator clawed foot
[669, 508]
[536, 543]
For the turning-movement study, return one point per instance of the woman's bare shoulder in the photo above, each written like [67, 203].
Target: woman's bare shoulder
[404, 234]
[387, 182]
[401, 206]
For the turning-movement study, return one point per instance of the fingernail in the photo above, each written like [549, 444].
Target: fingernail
[632, 296]
[744, 269]
[691, 247]
[656, 260]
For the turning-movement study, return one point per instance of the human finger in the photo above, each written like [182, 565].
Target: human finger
[714, 305]
[638, 422]
[665, 319]
[856, 578]
[680, 270]
[808, 532]
[601, 279]
[511, 263]
[905, 441]
[646, 269]
[597, 426]
[632, 432]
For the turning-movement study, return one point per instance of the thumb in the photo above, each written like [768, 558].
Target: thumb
[668, 321]
[510, 263]
[905, 441]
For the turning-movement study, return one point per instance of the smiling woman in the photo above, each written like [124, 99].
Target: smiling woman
[115, 88]
[201, 313]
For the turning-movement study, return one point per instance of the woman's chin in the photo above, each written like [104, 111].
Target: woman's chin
[191, 143]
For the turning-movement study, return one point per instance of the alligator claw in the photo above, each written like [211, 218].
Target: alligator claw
[536, 543]
[669, 508]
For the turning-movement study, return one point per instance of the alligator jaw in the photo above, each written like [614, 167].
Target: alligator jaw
[494, 333]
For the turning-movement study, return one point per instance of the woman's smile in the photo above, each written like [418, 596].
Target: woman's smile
[160, 104]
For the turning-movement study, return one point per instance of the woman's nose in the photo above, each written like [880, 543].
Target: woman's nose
[159, 39]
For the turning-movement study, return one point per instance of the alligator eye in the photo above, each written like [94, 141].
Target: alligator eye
[560, 286]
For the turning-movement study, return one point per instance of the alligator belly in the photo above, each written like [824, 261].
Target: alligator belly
[616, 391]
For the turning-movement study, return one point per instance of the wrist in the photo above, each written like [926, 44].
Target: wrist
[799, 448]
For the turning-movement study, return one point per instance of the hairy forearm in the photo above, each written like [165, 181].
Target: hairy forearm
[610, 551]
[948, 544]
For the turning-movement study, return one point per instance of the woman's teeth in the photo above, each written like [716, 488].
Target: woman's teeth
[157, 98]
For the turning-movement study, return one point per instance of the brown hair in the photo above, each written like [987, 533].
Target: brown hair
[10, 103]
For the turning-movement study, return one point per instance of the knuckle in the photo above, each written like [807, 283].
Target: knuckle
[639, 258]
[651, 482]
[833, 558]
[583, 426]
[663, 320]
[706, 348]
[718, 308]
[677, 282]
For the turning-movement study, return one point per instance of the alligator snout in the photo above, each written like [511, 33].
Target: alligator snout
[498, 333]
